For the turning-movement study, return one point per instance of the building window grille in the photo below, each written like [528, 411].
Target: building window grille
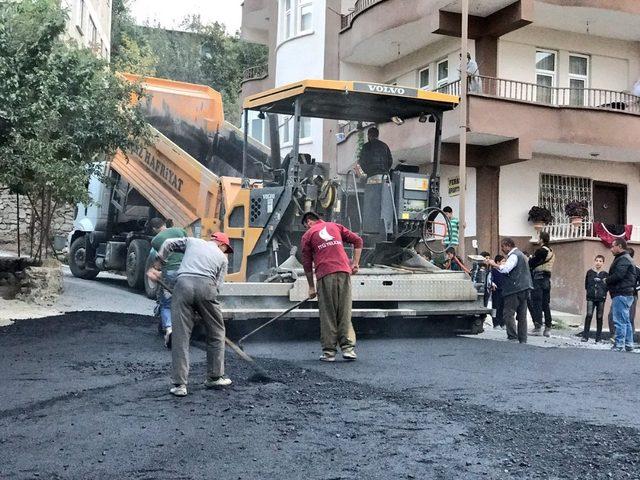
[557, 190]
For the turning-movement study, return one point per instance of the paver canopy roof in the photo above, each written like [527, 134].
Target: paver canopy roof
[349, 100]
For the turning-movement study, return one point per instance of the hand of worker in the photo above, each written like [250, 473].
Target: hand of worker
[154, 274]
[354, 268]
[312, 292]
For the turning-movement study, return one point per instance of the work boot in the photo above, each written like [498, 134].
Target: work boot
[167, 338]
[218, 382]
[547, 331]
[585, 339]
[179, 390]
[537, 331]
[628, 348]
[328, 357]
[349, 355]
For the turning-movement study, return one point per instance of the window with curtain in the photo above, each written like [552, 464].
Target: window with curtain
[443, 73]
[578, 78]
[545, 76]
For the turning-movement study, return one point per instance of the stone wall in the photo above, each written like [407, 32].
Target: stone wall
[61, 223]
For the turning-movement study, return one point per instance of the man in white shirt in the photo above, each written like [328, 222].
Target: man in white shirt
[515, 289]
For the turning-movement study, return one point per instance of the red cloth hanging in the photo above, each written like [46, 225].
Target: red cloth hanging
[602, 232]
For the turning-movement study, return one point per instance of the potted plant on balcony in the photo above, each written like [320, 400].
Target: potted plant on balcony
[576, 210]
[540, 217]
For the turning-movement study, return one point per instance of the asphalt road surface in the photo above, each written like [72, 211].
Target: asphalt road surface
[85, 396]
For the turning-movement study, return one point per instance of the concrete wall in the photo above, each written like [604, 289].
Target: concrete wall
[519, 185]
[614, 64]
[405, 70]
[61, 223]
[452, 171]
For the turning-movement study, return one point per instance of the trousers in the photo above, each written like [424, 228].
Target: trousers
[334, 305]
[598, 307]
[196, 295]
[515, 308]
[540, 300]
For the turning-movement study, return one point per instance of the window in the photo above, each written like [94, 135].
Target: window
[305, 127]
[93, 32]
[443, 73]
[423, 78]
[286, 130]
[296, 18]
[545, 75]
[305, 17]
[557, 190]
[578, 78]
[80, 19]
[257, 129]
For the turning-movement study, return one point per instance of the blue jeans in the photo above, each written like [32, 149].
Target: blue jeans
[170, 279]
[620, 306]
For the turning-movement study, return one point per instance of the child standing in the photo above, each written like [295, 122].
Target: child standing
[497, 278]
[596, 296]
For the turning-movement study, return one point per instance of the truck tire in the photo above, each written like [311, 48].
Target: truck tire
[150, 289]
[137, 254]
[77, 260]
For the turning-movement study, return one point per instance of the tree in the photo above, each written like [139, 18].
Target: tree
[67, 111]
[197, 53]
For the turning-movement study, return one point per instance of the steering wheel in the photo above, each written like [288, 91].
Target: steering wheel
[435, 229]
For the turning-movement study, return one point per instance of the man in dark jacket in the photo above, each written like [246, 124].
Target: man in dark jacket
[375, 156]
[515, 289]
[621, 284]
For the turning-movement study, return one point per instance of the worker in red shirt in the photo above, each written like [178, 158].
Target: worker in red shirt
[322, 246]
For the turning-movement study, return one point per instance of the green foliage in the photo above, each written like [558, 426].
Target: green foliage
[65, 107]
[199, 53]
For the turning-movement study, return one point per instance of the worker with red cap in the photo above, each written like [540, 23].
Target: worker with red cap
[199, 278]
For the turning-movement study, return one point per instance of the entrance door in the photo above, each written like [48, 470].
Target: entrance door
[609, 203]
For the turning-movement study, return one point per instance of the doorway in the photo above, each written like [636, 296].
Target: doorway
[610, 203]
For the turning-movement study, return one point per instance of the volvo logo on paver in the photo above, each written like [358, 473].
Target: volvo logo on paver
[384, 89]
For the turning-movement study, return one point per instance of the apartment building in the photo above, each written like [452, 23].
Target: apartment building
[89, 24]
[552, 118]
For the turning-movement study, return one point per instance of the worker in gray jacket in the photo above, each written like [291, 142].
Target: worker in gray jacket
[515, 289]
[199, 278]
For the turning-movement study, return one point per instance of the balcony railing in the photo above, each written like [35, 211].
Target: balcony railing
[258, 72]
[358, 8]
[568, 231]
[591, 98]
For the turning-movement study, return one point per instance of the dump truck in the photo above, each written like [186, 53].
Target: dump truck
[207, 176]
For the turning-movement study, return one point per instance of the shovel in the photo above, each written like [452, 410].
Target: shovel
[299, 304]
[260, 375]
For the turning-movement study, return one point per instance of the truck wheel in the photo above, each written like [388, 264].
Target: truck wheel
[150, 289]
[78, 262]
[137, 254]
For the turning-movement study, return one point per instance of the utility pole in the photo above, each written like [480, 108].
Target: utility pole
[464, 48]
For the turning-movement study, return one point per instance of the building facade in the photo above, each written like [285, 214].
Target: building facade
[554, 115]
[89, 24]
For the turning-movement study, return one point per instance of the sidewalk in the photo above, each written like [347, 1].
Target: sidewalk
[565, 333]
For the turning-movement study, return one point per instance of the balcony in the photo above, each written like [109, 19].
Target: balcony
[584, 231]
[589, 98]
[255, 80]
[369, 31]
[566, 122]
[256, 18]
